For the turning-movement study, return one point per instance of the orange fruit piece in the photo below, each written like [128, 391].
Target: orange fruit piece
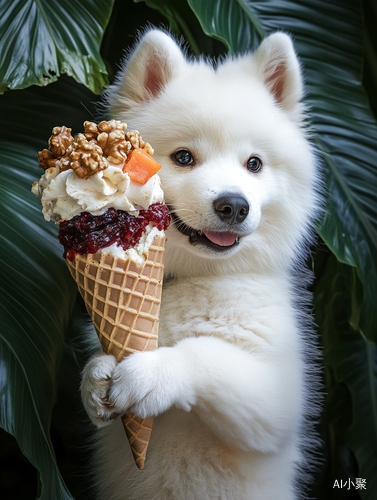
[140, 166]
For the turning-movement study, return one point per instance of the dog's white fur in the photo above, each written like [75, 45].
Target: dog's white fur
[232, 384]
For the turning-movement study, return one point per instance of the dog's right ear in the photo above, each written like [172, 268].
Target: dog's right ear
[279, 69]
[155, 61]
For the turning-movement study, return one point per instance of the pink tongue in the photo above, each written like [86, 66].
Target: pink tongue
[221, 239]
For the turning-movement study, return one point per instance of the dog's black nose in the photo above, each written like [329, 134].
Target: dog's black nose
[231, 208]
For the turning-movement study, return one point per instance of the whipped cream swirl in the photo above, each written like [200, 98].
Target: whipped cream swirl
[65, 195]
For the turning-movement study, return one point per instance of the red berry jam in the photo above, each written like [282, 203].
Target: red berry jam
[86, 233]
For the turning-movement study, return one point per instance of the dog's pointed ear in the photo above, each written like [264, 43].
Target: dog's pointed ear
[156, 60]
[279, 69]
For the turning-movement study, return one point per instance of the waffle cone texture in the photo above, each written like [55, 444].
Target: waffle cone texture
[123, 300]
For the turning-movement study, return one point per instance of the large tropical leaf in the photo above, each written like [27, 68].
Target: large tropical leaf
[351, 377]
[37, 290]
[182, 21]
[231, 21]
[41, 39]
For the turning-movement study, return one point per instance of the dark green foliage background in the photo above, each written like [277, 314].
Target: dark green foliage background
[44, 433]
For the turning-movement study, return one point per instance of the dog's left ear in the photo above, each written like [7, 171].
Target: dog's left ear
[278, 68]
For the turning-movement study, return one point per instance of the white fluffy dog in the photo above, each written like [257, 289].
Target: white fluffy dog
[232, 385]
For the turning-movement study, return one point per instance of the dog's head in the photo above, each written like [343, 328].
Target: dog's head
[238, 172]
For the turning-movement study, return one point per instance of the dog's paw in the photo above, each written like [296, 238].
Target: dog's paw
[95, 386]
[141, 384]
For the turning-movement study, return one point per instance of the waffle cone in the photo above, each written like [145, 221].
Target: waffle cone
[123, 300]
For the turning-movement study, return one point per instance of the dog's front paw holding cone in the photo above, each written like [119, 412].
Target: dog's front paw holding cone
[114, 248]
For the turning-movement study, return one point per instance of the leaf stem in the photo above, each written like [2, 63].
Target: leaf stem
[253, 19]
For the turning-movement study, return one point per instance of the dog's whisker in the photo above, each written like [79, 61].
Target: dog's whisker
[175, 210]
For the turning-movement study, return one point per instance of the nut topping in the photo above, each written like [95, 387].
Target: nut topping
[84, 157]
[60, 141]
[91, 151]
[46, 159]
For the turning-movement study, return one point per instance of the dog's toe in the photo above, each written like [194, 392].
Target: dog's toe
[95, 387]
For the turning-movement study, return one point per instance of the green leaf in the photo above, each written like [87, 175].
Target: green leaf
[183, 21]
[36, 288]
[42, 39]
[230, 21]
[329, 41]
[351, 361]
[169, 9]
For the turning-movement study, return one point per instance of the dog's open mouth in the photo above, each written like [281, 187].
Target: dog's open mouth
[219, 241]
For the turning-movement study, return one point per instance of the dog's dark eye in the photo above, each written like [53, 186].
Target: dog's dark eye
[183, 157]
[254, 164]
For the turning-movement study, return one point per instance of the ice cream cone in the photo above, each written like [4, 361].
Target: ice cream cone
[123, 300]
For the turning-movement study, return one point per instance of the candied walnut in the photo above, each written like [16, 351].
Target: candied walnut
[114, 146]
[91, 130]
[60, 141]
[112, 140]
[135, 139]
[137, 142]
[112, 126]
[148, 148]
[84, 157]
[46, 159]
